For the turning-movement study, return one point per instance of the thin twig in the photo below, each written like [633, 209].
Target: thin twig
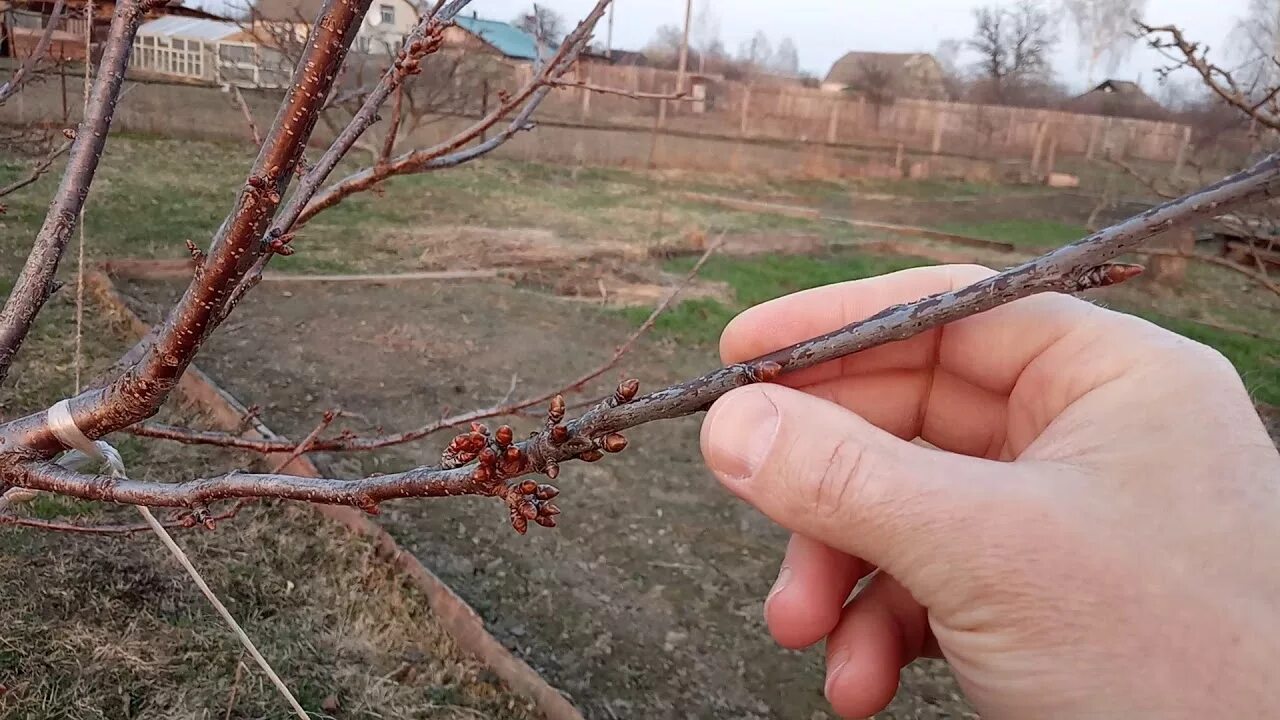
[605, 90]
[1253, 275]
[38, 169]
[349, 443]
[248, 115]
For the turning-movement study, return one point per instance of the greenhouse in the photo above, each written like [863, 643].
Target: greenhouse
[210, 50]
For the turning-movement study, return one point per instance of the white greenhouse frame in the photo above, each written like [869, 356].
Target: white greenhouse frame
[196, 49]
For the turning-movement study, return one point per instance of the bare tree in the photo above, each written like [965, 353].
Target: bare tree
[280, 192]
[875, 82]
[786, 59]
[543, 23]
[1255, 45]
[1013, 44]
[756, 54]
[705, 34]
[1104, 29]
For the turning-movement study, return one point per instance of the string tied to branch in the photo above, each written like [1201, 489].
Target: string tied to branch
[85, 452]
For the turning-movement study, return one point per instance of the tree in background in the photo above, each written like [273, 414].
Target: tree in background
[953, 77]
[756, 55]
[786, 60]
[1104, 29]
[1255, 41]
[545, 24]
[664, 49]
[1013, 44]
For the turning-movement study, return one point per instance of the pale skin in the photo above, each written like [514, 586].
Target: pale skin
[1095, 532]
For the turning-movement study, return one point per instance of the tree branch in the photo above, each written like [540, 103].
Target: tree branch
[28, 66]
[38, 169]
[1215, 78]
[443, 154]
[604, 90]
[479, 464]
[140, 391]
[352, 443]
[35, 283]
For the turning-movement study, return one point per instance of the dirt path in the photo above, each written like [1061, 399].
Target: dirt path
[646, 602]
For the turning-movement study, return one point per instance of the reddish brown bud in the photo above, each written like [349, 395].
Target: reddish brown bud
[550, 509]
[504, 436]
[559, 434]
[481, 474]
[546, 492]
[480, 428]
[613, 442]
[766, 371]
[626, 391]
[528, 487]
[69, 133]
[545, 521]
[366, 503]
[513, 454]
[555, 411]
[488, 457]
[591, 456]
[1119, 272]
[552, 470]
[519, 522]
[257, 181]
[527, 509]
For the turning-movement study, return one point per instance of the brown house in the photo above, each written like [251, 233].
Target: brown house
[1117, 98]
[23, 22]
[891, 75]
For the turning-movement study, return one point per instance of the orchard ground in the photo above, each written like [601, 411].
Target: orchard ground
[646, 602]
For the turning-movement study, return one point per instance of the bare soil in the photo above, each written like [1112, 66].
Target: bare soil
[647, 601]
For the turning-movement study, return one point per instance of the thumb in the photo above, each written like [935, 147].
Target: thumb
[824, 472]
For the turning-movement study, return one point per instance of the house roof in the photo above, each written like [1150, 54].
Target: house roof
[191, 28]
[507, 39]
[848, 69]
[1122, 98]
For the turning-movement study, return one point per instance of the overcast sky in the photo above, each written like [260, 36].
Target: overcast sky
[826, 29]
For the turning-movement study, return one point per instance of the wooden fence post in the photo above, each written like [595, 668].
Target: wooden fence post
[584, 77]
[938, 121]
[1182, 152]
[833, 123]
[1093, 139]
[899, 159]
[746, 109]
[1051, 155]
[1037, 151]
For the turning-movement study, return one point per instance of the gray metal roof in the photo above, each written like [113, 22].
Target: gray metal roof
[191, 28]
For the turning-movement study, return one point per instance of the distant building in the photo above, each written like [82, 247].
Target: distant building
[211, 51]
[1117, 98]
[494, 36]
[23, 22]
[628, 58]
[383, 29]
[897, 75]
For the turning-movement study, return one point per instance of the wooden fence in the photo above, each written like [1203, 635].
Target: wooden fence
[734, 109]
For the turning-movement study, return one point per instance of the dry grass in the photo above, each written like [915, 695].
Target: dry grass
[97, 627]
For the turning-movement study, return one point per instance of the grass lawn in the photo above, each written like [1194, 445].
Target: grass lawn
[757, 279]
[1030, 234]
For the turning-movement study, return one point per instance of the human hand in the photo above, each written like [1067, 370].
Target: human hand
[1094, 536]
